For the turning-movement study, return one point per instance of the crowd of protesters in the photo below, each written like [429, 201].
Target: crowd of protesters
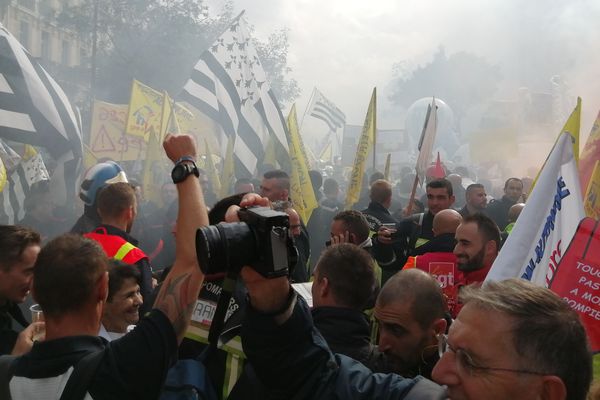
[397, 305]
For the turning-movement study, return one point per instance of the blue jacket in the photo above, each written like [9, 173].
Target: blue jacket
[293, 361]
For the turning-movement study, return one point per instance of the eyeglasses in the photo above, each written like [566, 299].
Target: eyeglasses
[466, 364]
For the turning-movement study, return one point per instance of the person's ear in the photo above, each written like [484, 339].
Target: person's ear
[324, 288]
[102, 287]
[553, 388]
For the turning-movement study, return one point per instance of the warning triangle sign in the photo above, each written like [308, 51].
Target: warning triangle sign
[103, 142]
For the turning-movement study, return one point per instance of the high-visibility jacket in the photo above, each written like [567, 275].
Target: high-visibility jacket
[116, 247]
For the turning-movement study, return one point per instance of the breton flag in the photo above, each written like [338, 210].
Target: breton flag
[35, 110]
[547, 223]
[229, 85]
[320, 107]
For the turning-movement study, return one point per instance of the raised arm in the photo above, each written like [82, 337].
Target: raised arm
[179, 291]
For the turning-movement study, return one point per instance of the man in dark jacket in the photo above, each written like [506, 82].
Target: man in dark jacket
[342, 288]
[377, 213]
[498, 209]
[19, 247]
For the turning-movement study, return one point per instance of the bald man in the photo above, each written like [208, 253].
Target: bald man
[438, 259]
[513, 213]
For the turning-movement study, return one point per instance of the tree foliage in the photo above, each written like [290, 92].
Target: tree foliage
[158, 43]
[461, 80]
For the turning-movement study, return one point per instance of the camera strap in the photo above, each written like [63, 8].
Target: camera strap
[216, 327]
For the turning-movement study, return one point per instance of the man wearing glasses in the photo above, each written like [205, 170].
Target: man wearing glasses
[513, 340]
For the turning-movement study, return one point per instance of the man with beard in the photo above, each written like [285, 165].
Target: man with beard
[410, 310]
[117, 208]
[476, 200]
[477, 246]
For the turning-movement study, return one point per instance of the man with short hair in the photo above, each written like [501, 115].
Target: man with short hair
[477, 246]
[476, 200]
[342, 288]
[498, 209]
[410, 310]
[71, 286]
[275, 185]
[513, 214]
[19, 247]
[124, 299]
[117, 208]
[514, 340]
[322, 216]
[377, 213]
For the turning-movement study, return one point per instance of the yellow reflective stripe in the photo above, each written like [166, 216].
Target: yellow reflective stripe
[123, 251]
[421, 242]
[232, 374]
[234, 346]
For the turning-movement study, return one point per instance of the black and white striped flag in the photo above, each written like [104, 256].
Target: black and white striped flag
[35, 110]
[320, 107]
[229, 85]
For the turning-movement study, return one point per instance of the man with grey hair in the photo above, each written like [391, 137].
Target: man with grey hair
[514, 340]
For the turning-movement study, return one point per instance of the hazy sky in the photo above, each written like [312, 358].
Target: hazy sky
[346, 47]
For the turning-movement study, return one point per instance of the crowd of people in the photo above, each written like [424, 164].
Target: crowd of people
[398, 308]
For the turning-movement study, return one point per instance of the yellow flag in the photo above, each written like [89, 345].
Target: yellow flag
[388, 161]
[211, 170]
[591, 202]
[365, 145]
[2, 175]
[326, 154]
[144, 112]
[571, 126]
[228, 170]
[302, 192]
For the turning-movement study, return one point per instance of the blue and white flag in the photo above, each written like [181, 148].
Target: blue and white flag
[321, 108]
[35, 110]
[547, 223]
[229, 85]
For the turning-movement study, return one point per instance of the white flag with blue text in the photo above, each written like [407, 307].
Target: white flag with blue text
[546, 224]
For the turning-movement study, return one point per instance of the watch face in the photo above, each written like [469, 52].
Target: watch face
[179, 173]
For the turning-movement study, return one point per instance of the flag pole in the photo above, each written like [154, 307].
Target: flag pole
[374, 127]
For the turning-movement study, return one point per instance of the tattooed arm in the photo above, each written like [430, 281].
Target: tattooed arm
[180, 289]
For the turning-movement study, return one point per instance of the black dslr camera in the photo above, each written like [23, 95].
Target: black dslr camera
[262, 240]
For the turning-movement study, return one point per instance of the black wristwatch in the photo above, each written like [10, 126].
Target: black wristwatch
[182, 170]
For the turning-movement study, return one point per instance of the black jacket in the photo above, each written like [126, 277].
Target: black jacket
[8, 336]
[347, 332]
[443, 243]
[376, 215]
[498, 211]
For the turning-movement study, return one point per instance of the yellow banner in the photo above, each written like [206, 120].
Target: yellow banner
[145, 110]
[107, 135]
[591, 202]
[365, 145]
[327, 153]
[2, 175]
[302, 192]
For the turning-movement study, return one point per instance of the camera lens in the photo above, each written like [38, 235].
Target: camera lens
[224, 246]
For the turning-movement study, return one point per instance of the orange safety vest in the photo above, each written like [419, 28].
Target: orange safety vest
[116, 247]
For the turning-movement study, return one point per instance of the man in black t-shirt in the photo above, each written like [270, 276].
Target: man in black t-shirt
[71, 285]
